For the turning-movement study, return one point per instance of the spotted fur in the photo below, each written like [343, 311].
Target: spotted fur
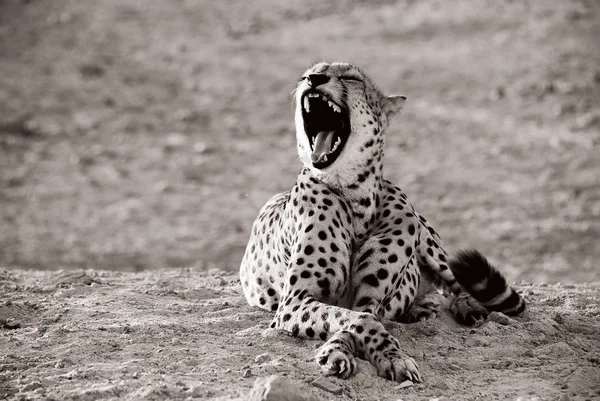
[344, 250]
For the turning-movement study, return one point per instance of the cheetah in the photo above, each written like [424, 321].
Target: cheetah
[343, 250]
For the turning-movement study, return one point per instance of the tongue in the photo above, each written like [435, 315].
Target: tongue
[323, 142]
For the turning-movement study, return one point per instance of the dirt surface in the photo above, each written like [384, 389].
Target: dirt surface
[140, 135]
[143, 134]
[183, 333]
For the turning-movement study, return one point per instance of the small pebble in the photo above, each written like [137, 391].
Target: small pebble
[327, 384]
[262, 358]
[247, 373]
[404, 384]
[501, 318]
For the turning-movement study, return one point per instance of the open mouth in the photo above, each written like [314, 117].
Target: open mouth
[327, 127]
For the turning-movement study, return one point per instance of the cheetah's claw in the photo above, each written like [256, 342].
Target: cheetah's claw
[399, 367]
[336, 362]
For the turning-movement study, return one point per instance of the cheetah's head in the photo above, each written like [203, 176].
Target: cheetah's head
[340, 119]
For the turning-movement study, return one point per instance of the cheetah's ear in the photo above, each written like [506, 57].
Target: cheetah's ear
[392, 105]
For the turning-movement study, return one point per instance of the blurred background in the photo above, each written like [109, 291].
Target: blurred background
[146, 134]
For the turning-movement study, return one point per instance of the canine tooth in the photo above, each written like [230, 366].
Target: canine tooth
[324, 158]
[306, 105]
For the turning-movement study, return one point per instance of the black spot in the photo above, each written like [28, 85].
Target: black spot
[309, 249]
[274, 307]
[382, 274]
[271, 292]
[287, 317]
[295, 330]
[323, 336]
[371, 280]
[293, 279]
[322, 235]
[408, 251]
[411, 229]
[308, 228]
[299, 261]
[365, 256]
[310, 332]
[393, 258]
[430, 252]
[328, 202]
[322, 262]
[363, 301]
[324, 283]
[385, 241]
[305, 317]
[305, 274]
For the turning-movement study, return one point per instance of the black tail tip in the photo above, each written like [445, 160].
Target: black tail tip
[470, 267]
[486, 284]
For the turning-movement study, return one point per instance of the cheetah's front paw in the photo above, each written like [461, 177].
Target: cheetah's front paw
[336, 360]
[399, 367]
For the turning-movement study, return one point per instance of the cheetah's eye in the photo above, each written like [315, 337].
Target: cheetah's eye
[349, 78]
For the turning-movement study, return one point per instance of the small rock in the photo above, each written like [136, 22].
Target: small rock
[70, 375]
[10, 323]
[247, 373]
[274, 388]
[262, 358]
[501, 318]
[174, 140]
[32, 386]
[441, 385]
[327, 384]
[404, 384]
[497, 93]
[62, 362]
[200, 147]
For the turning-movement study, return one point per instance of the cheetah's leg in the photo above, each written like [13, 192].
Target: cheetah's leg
[385, 279]
[428, 302]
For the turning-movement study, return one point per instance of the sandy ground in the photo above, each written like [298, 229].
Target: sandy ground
[137, 136]
[187, 334]
[144, 134]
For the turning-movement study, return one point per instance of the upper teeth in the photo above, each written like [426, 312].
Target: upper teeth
[334, 106]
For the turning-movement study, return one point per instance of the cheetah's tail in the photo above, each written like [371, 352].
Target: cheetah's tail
[476, 275]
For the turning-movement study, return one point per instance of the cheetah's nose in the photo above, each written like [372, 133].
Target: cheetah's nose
[315, 80]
